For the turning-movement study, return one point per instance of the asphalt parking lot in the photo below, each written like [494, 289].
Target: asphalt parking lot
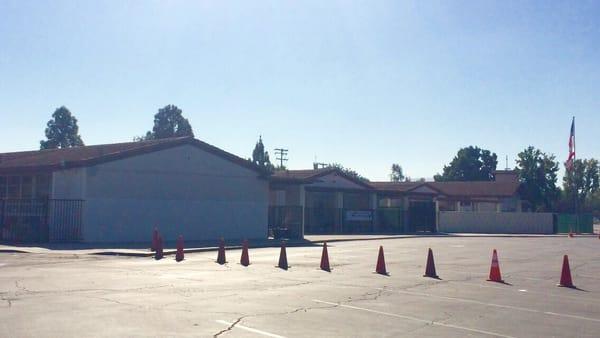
[87, 295]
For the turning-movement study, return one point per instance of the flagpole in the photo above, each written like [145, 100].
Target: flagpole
[576, 193]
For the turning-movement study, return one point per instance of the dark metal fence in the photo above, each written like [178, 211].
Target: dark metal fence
[285, 221]
[391, 219]
[353, 221]
[30, 220]
[338, 221]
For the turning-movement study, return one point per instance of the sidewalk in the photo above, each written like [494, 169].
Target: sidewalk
[142, 249]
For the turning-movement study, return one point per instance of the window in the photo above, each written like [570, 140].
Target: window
[42, 187]
[13, 187]
[447, 205]
[26, 187]
[466, 206]
[2, 187]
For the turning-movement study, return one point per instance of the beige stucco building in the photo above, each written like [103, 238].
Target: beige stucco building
[120, 192]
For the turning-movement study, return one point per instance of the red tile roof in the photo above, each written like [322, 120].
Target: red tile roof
[301, 175]
[395, 186]
[454, 189]
[53, 159]
[311, 175]
[476, 189]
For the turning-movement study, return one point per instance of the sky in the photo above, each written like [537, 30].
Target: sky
[360, 83]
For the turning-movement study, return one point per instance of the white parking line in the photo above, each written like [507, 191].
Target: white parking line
[504, 288]
[518, 308]
[489, 333]
[249, 329]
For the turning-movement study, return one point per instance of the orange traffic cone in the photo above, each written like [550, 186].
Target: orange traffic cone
[430, 268]
[325, 259]
[565, 276]
[154, 244]
[179, 253]
[245, 260]
[159, 248]
[221, 255]
[283, 263]
[495, 269]
[380, 268]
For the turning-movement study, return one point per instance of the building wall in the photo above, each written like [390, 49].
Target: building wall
[495, 222]
[69, 184]
[181, 190]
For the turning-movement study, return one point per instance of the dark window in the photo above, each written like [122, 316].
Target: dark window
[42, 187]
[2, 187]
[13, 187]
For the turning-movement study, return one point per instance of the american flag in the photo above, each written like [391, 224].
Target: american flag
[569, 163]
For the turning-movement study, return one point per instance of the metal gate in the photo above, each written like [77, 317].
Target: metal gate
[421, 216]
[47, 220]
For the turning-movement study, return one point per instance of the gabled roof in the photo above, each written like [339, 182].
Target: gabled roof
[305, 175]
[312, 175]
[454, 189]
[395, 186]
[55, 159]
[476, 189]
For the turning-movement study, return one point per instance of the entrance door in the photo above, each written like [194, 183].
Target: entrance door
[421, 216]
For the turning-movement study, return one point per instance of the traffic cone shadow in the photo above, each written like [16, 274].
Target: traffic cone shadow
[245, 259]
[325, 259]
[430, 268]
[221, 255]
[380, 267]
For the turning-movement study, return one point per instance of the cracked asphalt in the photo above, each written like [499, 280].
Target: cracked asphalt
[58, 295]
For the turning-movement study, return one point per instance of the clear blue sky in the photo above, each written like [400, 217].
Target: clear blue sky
[361, 83]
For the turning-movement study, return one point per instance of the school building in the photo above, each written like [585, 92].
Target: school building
[120, 192]
[324, 201]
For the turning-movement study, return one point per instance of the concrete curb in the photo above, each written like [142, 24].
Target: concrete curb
[297, 243]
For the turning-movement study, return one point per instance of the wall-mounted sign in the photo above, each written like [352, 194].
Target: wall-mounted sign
[359, 215]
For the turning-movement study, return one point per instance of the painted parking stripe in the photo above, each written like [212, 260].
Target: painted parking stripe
[430, 322]
[518, 308]
[513, 290]
[249, 329]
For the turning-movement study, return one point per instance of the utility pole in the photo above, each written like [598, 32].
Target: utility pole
[281, 154]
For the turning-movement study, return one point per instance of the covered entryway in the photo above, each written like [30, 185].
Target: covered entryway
[421, 216]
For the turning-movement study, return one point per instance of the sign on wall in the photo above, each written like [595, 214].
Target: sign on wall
[359, 215]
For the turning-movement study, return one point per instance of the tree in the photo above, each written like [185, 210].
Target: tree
[348, 171]
[397, 174]
[168, 122]
[594, 203]
[581, 182]
[470, 164]
[260, 157]
[538, 175]
[61, 131]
